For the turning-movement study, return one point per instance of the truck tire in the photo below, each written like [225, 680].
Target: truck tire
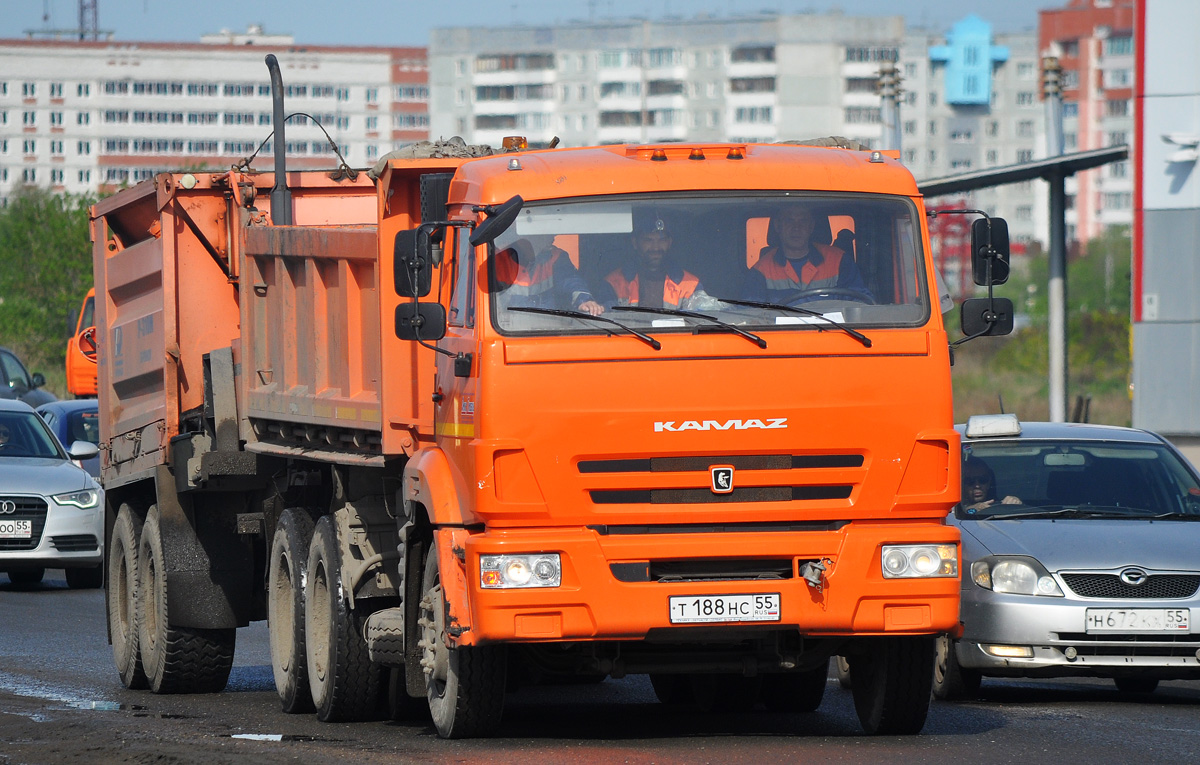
[285, 609]
[86, 578]
[26, 577]
[464, 685]
[122, 596]
[672, 690]
[950, 681]
[401, 706]
[175, 659]
[795, 691]
[345, 685]
[891, 684]
[721, 692]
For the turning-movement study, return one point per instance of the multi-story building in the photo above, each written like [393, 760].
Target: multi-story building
[82, 116]
[1093, 40]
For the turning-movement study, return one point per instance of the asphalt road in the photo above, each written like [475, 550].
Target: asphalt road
[61, 701]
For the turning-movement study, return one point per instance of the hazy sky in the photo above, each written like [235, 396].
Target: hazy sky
[407, 22]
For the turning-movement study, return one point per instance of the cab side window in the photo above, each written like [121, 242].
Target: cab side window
[462, 295]
[14, 373]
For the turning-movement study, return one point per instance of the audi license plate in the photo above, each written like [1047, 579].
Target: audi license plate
[696, 609]
[16, 529]
[1101, 620]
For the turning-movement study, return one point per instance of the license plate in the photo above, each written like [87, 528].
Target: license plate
[16, 529]
[696, 609]
[1101, 620]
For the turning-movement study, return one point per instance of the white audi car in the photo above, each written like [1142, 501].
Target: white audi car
[51, 509]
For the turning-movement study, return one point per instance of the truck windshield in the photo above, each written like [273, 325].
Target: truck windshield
[855, 260]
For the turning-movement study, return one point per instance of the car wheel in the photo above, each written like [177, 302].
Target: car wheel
[345, 684]
[891, 684]
[27, 577]
[796, 691]
[951, 681]
[175, 659]
[122, 596]
[85, 578]
[1136, 684]
[285, 609]
[465, 685]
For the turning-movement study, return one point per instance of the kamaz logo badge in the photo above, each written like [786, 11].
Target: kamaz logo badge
[722, 479]
[671, 426]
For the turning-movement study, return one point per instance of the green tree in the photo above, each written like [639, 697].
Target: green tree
[45, 270]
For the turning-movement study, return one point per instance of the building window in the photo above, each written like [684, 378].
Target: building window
[56, 147]
[910, 156]
[83, 118]
[866, 54]
[1117, 108]
[1024, 212]
[29, 175]
[1070, 48]
[910, 127]
[752, 54]
[56, 177]
[856, 84]
[1070, 109]
[910, 98]
[993, 156]
[1118, 78]
[29, 146]
[56, 90]
[85, 176]
[372, 95]
[960, 164]
[1026, 98]
[460, 67]
[56, 119]
[1118, 170]
[765, 114]
[1118, 46]
[372, 124]
[83, 148]
[932, 127]
[342, 94]
[1025, 129]
[1118, 200]
[993, 128]
[659, 57]
[933, 98]
[962, 136]
[932, 157]
[1117, 137]
[1024, 155]
[1026, 70]
[28, 89]
[28, 119]
[756, 85]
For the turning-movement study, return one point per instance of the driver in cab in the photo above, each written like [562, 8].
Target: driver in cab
[799, 259]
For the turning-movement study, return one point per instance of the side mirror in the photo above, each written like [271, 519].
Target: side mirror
[499, 219]
[420, 321]
[38, 379]
[82, 450]
[411, 270]
[986, 317]
[989, 242]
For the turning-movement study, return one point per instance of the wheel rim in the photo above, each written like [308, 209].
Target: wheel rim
[150, 611]
[941, 664]
[282, 618]
[318, 609]
[120, 593]
[435, 656]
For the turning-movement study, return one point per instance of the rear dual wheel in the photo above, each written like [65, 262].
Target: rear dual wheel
[285, 609]
[123, 597]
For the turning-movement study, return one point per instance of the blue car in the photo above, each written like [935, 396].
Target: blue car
[73, 421]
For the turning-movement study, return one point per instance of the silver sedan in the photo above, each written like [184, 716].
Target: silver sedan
[1079, 557]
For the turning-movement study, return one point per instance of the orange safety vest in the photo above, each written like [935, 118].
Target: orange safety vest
[675, 291]
[520, 279]
[780, 271]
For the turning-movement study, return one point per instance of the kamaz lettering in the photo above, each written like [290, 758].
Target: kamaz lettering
[671, 427]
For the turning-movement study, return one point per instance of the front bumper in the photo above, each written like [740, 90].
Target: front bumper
[1054, 630]
[66, 537]
[593, 603]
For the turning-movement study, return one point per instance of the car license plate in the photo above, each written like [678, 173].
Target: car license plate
[696, 609]
[1101, 620]
[16, 529]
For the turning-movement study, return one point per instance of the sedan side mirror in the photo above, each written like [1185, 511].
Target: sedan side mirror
[82, 450]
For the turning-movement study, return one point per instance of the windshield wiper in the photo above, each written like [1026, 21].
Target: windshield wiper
[693, 315]
[859, 336]
[1092, 511]
[1175, 516]
[650, 341]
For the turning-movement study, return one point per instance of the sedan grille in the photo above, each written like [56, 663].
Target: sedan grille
[27, 509]
[1132, 646]
[1155, 587]
[75, 542]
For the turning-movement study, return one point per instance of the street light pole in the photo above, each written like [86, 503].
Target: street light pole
[889, 95]
[1057, 292]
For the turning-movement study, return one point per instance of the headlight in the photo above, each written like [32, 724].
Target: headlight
[1015, 576]
[919, 561]
[86, 499]
[498, 572]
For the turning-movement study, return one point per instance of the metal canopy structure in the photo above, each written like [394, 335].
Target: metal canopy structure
[1054, 170]
[1062, 165]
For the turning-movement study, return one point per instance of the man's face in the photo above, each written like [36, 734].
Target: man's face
[652, 247]
[795, 228]
[5, 434]
[976, 485]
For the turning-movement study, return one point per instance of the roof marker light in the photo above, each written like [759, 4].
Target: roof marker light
[981, 425]
[696, 154]
[735, 152]
[876, 157]
[659, 155]
[514, 164]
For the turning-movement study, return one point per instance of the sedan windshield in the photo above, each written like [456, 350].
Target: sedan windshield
[1074, 479]
[702, 264]
[23, 434]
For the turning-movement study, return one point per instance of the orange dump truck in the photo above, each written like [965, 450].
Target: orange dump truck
[492, 420]
[81, 351]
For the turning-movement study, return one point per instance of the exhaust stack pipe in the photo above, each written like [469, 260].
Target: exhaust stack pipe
[281, 196]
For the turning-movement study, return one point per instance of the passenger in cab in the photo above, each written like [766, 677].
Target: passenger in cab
[798, 258]
[653, 279]
[533, 273]
[979, 486]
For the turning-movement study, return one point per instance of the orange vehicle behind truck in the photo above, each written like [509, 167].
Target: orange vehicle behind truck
[459, 427]
[81, 351]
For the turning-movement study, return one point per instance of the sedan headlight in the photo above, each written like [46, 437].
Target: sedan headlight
[919, 561]
[498, 572]
[1014, 576]
[86, 499]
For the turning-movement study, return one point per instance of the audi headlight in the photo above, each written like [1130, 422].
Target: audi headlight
[1014, 576]
[86, 499]
[498, 572]
[919, 561]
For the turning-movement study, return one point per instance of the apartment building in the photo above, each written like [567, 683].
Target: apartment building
[1094, 42]
[83, 117]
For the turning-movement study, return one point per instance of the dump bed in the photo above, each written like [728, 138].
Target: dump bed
[197, 291]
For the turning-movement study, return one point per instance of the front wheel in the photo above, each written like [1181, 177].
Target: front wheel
[951, 681]
[891, 682]
[465, 684]
[796, 691]
[26, 577]
[175, 659]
